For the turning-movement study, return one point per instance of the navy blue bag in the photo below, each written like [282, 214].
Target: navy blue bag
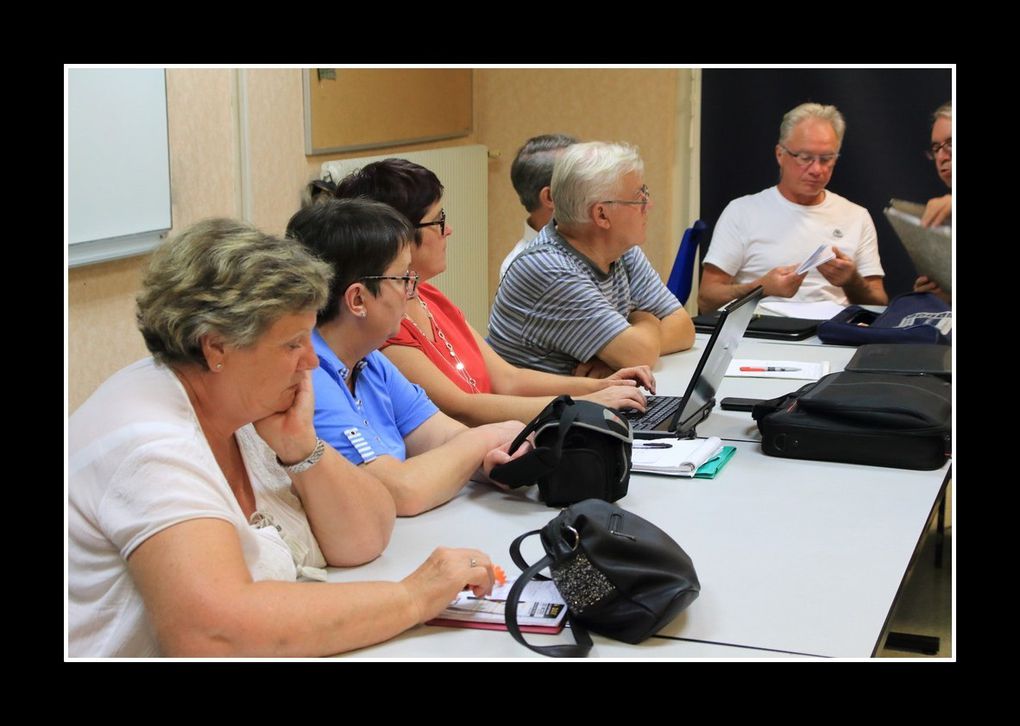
[913, 317]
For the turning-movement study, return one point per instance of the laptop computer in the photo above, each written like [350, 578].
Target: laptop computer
[767, 327]
[679, 415]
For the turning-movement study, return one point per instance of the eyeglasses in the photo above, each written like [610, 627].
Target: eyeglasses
[410, 281]
[805, 159]
[932, 151]
[441, 222]
[646, 197]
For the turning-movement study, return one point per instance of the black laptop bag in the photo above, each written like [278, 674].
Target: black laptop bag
[881, 419]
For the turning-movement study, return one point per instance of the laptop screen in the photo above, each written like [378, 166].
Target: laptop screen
[699, 400]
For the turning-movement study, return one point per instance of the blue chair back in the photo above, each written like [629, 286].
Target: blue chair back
[681, 278]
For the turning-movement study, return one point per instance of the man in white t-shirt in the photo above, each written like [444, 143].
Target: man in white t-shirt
[531, 175]
[762, 238]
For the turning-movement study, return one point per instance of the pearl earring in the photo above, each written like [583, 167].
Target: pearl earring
[219, 366]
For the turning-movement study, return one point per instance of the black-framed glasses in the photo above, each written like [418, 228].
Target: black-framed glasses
[805, 159]
[441, 222]
[410, 281]
[646, 197]
[932, 151]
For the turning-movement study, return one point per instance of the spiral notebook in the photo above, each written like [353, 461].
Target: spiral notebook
[673, 457]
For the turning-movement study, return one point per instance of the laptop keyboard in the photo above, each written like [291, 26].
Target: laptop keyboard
[660, 408]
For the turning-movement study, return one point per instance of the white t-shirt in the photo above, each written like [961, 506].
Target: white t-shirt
[138, 463]
[529, 234]
[761, 231]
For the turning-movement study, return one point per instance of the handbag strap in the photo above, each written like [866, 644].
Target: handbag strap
[583, 643]
[530, 468]
[518, 558]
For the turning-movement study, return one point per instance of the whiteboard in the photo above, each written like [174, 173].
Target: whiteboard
[118, 162]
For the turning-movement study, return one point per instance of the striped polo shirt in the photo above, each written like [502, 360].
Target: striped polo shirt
[555, 308]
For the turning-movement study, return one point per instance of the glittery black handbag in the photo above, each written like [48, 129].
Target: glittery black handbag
[620, 575]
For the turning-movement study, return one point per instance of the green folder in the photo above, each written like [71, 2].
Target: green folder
[713, 466]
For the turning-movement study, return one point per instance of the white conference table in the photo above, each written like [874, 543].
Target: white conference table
[673, 373]
[796, 558]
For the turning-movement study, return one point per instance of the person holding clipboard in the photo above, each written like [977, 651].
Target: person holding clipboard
[939, 210]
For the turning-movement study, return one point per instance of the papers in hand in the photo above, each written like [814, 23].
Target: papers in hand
[820, 256]
[541, 609]
[804, 371]
[674, 457]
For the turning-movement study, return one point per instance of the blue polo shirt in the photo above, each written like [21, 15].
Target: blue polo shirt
[386, 408]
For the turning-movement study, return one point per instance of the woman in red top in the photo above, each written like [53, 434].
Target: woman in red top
[437, 348]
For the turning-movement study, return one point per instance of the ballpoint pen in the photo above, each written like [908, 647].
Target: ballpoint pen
[750, 369]
[653, 445]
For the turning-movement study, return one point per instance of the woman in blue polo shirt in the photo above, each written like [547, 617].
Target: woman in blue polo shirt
[364, 407]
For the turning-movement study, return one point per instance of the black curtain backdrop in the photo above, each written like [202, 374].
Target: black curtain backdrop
[888, 121]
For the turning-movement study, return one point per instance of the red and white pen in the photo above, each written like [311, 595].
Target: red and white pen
[752, 369]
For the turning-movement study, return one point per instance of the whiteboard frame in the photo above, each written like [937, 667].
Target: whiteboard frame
[101, 249]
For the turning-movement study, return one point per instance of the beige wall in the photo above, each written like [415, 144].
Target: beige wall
[634, 105]
[201, 114]
[237, 149]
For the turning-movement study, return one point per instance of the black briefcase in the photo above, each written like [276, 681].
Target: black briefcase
[881, 419]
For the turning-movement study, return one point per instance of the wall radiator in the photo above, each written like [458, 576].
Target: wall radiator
[463, 172]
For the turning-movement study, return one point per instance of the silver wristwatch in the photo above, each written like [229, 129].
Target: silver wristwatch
[306, 464]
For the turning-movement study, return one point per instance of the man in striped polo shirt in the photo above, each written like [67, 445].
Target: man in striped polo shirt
[582, 296]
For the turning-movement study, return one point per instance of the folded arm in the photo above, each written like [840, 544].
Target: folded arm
[639, 344]
[676, 332]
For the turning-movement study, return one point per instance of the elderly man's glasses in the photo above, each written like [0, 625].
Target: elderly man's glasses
[441, 222]
[410, 281]
[646, 197]
[932, 151]
[805, 159]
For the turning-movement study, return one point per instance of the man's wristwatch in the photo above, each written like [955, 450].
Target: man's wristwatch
[306, 464]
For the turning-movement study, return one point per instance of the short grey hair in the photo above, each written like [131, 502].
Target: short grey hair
[226, 277]
[943, 111]
[589, 173]
[812, 110]
[533, 166]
